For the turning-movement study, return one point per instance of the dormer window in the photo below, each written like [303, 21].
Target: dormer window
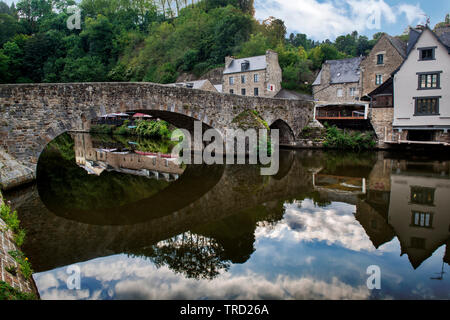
[426, 54]
[245, 66]
[380, 59]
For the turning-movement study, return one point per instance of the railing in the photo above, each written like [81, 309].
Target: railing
[344, 114]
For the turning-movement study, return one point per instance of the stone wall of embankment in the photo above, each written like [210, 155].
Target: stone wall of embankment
[13, 284]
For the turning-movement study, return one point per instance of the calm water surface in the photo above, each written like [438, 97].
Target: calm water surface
[140, 227]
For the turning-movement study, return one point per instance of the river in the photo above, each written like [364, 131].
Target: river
[138, 226]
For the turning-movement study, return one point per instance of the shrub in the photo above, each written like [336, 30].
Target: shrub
[102, 129]
[153, 129]
[10, 218]
[9, 293]
[25, 266]
[339, 139]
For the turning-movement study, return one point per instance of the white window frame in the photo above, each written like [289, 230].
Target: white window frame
[380, 77]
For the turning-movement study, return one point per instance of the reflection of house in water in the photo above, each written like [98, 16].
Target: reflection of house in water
[419, 208]
[96, 160]
[408, 200]
[339, 188]
[372, 211]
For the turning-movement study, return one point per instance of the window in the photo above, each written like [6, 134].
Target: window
[422, 195]
[243, 92]
[429, 80]
[340, 93]
[256, 92]
[426, 54]
[256, 78]
[245, 65]
[352, 92]
[380, 59]
[231, 91]
[231, 81]
[243, 79]
[422, 219]
[426, 106]
[379, 79]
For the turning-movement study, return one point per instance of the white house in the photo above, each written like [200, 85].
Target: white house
[422, 89]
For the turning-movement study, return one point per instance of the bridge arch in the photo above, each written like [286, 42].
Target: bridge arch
[287, 136]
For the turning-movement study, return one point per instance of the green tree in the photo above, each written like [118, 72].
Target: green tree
[32, 11]
[86, 69]
[97, 37]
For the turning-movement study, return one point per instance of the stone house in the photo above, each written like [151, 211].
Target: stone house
[385, 57]
[339, 81]
[254, 76]
[422, 89]
[337, 91]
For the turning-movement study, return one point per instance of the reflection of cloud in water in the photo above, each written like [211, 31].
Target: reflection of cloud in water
[120, 277]
[334, 224]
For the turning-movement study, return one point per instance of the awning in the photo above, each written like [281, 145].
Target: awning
[141, 115]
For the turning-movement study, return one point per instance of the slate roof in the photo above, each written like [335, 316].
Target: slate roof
[318, 79]
[445, 38]
[196, 84]
[292, 95]
[414, 36]
[342, 71]
[256, 63]
[398, 44]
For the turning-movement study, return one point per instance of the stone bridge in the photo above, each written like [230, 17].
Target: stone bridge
[31, 115]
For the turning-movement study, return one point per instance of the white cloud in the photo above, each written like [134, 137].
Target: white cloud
[413, 13]
[335, 225]
[134, 278]
[331, 18]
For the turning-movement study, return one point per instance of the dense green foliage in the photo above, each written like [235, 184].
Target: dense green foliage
[152, 40]
[145, 129]
[9, 293]
[12, 223]
[24, 264]
[341, 139]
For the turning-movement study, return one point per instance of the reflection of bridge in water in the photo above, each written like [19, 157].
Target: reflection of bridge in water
[97, 160]
[237, 196]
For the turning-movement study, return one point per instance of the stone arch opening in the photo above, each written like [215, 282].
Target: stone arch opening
[287, 136]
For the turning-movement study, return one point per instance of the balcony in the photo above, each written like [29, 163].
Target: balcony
[340, 115]
[344, 115]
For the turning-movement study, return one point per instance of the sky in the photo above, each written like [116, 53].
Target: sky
[328, 19]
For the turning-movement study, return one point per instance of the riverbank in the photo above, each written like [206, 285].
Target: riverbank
[16, 281]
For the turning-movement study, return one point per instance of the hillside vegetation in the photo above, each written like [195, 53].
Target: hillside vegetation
[152, 40]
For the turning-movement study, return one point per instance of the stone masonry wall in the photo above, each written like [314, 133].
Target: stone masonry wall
[6, 260]
[381, 119]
